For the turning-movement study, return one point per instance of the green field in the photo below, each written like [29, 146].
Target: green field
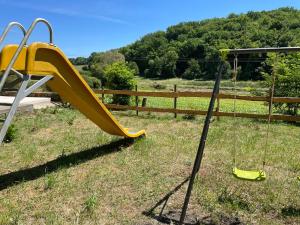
[182, 84]
[226, 105]
[62, 169]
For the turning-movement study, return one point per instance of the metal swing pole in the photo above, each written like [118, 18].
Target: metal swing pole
[202, 143]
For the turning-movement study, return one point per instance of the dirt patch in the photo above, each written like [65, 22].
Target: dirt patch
[172, 217]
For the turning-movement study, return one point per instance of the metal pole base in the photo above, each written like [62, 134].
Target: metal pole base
[173, 217]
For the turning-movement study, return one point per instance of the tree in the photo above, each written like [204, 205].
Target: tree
[132, 65]
[286, 69]
[169, 61]
[98, 61]
[119, 77]
[155, 68]
[93, 82]
[155, 53]
[193, 71]
[79, 61]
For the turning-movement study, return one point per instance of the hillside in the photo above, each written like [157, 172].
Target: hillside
[190, 49]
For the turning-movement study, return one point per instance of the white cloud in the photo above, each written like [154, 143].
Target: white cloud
[63, 11]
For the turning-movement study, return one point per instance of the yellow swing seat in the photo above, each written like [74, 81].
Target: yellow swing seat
[254, 175]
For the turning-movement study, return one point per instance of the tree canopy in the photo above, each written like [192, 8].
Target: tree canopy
[99, 60]
[176, 51]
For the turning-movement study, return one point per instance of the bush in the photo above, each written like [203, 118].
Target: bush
[119, 77]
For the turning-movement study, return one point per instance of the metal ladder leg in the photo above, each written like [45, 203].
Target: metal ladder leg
[20, 95]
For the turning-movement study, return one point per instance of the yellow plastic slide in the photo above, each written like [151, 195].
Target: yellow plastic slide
[46, 59]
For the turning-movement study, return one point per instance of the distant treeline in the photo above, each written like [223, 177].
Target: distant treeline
[191, 49]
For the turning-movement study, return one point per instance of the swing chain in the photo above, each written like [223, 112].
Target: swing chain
[235, 64]
[271, 95]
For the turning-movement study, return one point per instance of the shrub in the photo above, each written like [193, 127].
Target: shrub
[119, 77]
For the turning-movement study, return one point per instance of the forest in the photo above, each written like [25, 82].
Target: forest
[190, 50]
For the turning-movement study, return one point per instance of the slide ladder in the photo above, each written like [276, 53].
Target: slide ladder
[47, 62]
[23, 90]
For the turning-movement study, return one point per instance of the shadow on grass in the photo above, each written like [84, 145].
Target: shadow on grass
[66, 161]
[291, 211]
[171, 216]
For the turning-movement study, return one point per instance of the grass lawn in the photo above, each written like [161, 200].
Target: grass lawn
[226, 105]
[194, 103]
[62, 169]
[182, 84]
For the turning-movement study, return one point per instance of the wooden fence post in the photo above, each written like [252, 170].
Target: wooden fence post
[102, 93]
[136, 101]
[175, 101]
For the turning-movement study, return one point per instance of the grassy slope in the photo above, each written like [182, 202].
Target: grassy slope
[103, 186]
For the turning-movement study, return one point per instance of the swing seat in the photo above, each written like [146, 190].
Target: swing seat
[254, 175]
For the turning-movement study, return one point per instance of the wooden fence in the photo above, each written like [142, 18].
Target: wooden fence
[201, 94]
[177, 94]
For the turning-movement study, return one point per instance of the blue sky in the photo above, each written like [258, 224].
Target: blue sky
[82, 27]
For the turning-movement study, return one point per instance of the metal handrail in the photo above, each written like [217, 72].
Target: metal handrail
[22, 44]
[8, 28]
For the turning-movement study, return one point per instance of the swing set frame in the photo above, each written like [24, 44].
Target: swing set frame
[201, 147]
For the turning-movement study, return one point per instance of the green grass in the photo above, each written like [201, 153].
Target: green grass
[182, 84]
[194, 103]
[202, 104]
[69, 173]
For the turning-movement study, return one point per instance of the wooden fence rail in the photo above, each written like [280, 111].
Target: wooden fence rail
[177, 94]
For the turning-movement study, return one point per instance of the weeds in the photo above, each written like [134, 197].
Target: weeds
[90, 203]
[233, 200]
[49, 182]
[11, 134]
